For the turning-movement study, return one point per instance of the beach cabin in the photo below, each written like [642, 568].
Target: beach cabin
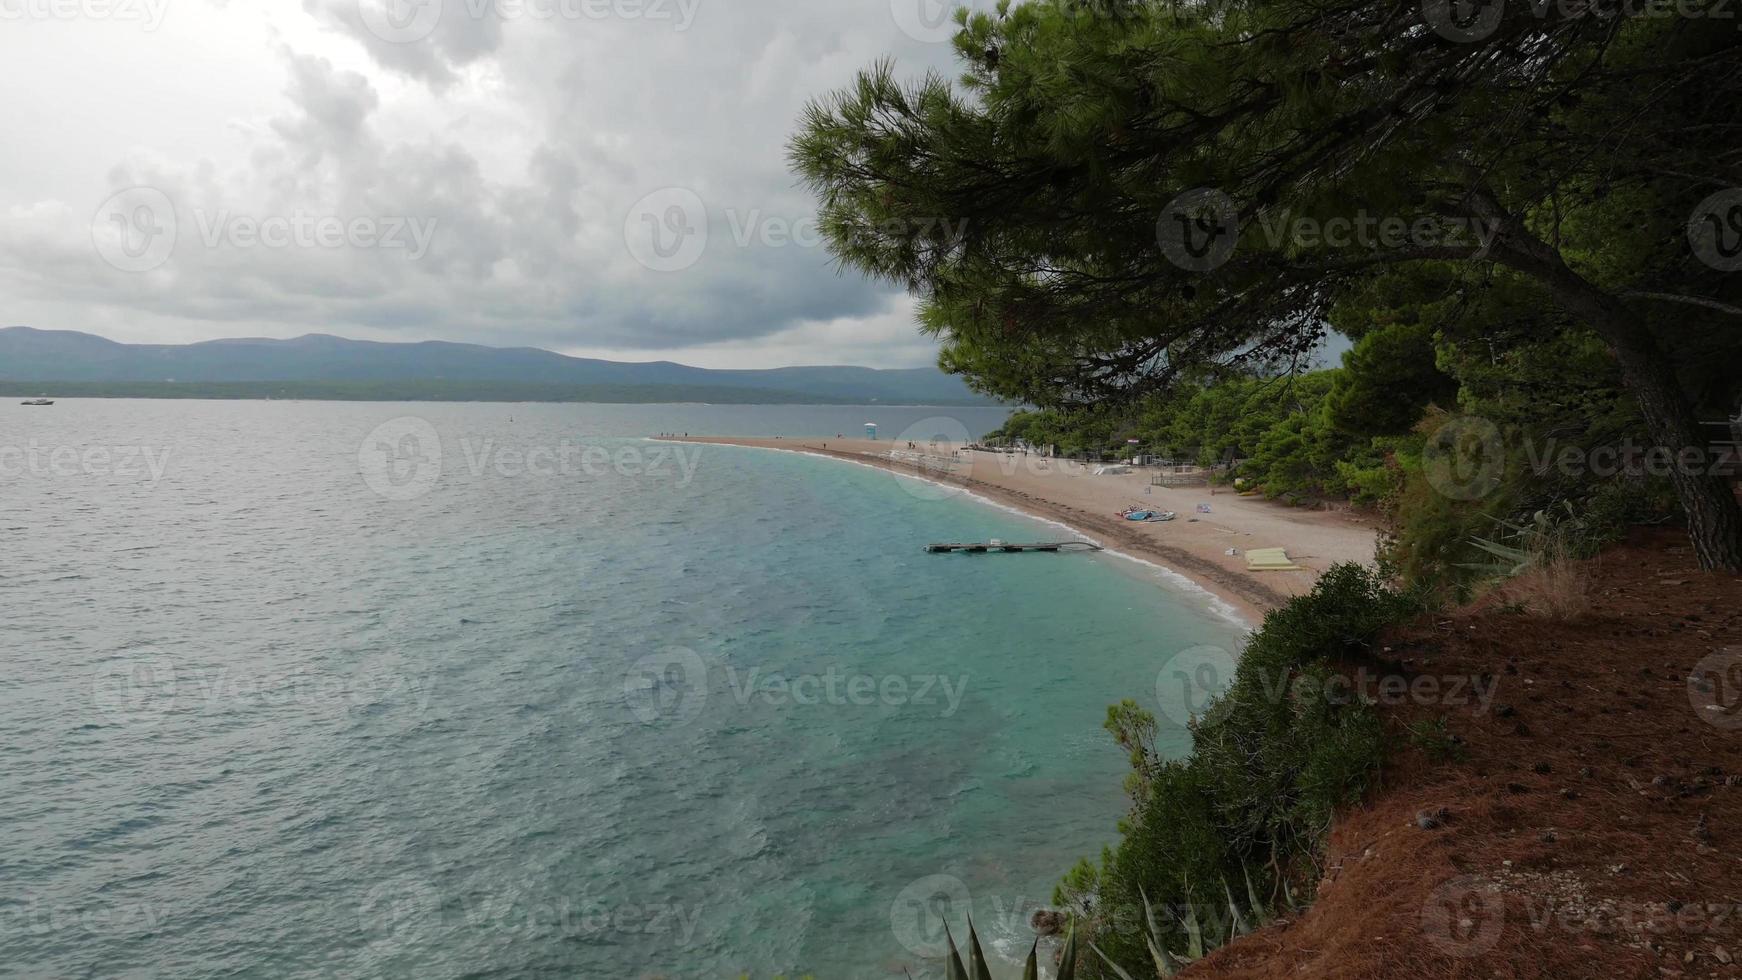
[870, 430]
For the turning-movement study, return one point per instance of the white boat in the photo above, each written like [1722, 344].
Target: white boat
[38, 401]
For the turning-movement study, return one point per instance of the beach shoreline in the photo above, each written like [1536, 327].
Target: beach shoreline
[1193, 546]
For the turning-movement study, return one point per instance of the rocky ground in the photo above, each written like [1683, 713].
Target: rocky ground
[1584, 819]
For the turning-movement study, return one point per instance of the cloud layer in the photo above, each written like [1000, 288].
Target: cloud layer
[597, 176]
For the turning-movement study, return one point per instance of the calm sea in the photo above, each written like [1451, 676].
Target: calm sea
[472, 690]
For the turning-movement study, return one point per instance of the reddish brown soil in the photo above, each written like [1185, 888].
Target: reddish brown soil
[1593, 826]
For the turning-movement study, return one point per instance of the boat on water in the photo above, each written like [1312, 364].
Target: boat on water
[38, 401]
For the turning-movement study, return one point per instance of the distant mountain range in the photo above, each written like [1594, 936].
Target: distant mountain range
[74, 364]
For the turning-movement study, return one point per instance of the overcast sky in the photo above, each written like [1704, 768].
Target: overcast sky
[600, 177]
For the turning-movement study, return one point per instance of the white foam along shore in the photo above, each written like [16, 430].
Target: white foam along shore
[1171, 578]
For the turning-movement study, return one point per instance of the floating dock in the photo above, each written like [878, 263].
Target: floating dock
[1006, 546]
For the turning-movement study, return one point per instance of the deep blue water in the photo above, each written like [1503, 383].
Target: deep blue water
[292, 692]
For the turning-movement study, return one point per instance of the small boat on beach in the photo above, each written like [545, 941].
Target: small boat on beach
[38, 401]
[1144, 516]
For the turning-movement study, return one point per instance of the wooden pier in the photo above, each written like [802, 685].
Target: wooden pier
[980, 548]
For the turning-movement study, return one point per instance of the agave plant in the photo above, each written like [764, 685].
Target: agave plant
[1519, 546]
[1198, 940]
[976, 968]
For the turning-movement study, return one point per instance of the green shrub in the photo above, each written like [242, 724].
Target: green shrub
[1271, 762]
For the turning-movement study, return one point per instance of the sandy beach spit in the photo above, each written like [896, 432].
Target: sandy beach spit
[1195, 544]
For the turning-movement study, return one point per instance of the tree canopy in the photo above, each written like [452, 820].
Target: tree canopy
[1138, 192]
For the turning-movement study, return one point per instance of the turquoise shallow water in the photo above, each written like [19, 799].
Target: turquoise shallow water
[293, 694]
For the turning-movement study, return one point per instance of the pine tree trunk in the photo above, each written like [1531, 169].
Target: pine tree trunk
[1714, 518]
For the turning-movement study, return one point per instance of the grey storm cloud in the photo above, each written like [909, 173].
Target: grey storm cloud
[502, 173]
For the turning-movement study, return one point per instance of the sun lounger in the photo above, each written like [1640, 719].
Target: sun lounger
[1270, 560]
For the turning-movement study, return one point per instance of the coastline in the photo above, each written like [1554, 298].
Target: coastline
[1193, 546]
